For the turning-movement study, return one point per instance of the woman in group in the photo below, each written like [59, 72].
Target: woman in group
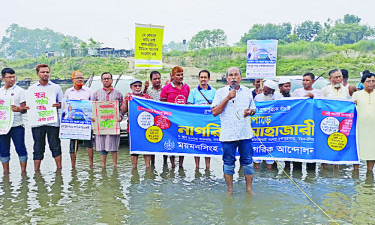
[365, 101]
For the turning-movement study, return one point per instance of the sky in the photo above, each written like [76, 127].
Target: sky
[112, 22]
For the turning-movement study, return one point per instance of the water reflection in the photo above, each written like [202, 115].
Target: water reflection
[162, 195]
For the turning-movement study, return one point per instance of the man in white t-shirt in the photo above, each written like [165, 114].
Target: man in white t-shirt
[17, 132]
[308, 80]
[307, 90]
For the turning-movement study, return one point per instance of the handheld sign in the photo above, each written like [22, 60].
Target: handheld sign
[41, 110]
[106, 114]
[261, 59]
[148, 53]
[76, 119]
[6, 115]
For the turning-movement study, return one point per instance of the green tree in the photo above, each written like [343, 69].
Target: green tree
[268, 31]
[83, 48]
[208, 39]
[21, 54]
[308, 30]
[34, 41]
[179, 46]
[94, 44]
[67, 45]
[348, 19]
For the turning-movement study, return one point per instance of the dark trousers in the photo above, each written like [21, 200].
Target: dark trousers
[39, 136]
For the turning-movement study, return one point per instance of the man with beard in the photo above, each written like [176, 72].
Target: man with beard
[336, 90]
[176, 92]
[284, 87]
[269, 93]
[136, 87]
[79, 92]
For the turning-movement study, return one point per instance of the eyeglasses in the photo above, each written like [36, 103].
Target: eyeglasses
[370, 81]
[78, 78]
[12, 77]
[137, 85]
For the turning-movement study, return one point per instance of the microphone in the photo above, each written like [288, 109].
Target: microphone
[233, 85]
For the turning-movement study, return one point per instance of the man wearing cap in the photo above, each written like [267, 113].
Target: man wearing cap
[284, 87]
[202, 95]
[136, 87]
[234, 104]
[17, 131]
[176, 92]
[79, 92]
[269, 93]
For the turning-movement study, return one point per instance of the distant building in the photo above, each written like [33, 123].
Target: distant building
[108, 52]
[49, 54]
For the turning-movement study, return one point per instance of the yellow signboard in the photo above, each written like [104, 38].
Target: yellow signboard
[148, 52]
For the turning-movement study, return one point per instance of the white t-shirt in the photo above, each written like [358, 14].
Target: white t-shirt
[301, 92]
[17, 94]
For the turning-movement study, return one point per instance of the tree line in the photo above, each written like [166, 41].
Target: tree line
[342, 31]
[21, 42]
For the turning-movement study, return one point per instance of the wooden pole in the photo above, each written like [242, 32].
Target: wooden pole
[75, 146]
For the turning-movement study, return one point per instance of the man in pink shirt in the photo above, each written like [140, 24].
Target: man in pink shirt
[79, 92]
[175, 92]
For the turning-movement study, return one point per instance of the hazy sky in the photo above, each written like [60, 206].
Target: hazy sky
[112, 21]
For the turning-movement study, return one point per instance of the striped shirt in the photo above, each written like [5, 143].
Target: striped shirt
[109, 143]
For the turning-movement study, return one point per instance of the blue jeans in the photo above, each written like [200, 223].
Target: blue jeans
[246, 153]
[17, 134]
[39, 136]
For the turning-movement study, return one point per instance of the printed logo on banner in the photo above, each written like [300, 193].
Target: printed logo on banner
[169, 145]
[207, 111]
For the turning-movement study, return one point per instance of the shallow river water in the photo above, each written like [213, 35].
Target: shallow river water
[163, 195]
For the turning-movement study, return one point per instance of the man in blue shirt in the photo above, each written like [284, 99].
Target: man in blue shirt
[202, 95]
